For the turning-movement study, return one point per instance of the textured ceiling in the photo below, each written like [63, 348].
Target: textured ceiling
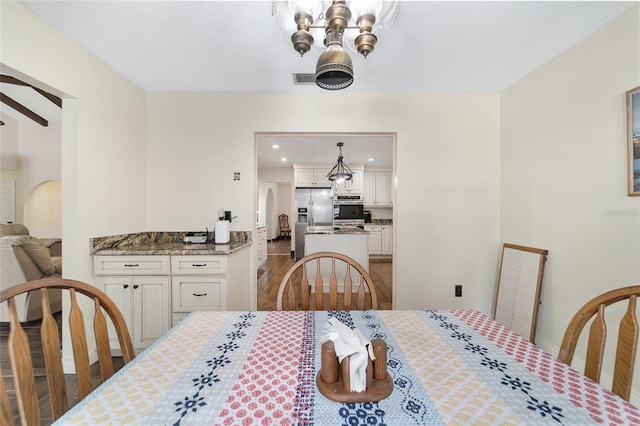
[238, 46]
[443, 47]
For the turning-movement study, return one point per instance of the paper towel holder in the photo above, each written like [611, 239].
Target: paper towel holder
[333, 378]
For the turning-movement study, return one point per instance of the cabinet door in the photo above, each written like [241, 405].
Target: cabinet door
[369, 189]
[356, 184]
[382, 189]
[374, 240]
[387, 240]
[320, 178]
[150, 309]
[304, 177]
[118, 288]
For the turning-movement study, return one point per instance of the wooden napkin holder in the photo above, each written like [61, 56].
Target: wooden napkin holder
[333, 379]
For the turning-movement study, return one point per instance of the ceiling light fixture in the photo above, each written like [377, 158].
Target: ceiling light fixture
[340, 172]
[334, 69]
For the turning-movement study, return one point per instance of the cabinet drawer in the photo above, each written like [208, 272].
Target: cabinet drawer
[131, 265]
[198, 294]
[199, 265]
[374, 228]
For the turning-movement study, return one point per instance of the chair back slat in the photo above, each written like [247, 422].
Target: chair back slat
[80, 348]
[53, 358]
[333, 286]
[348, 290]
[339, 269]
[361, 295]
[20, 357]
[305, 290]
[595, 347]
[627, 338]
[5, 407]
[102, 339]
[626, 352]
[319, 285]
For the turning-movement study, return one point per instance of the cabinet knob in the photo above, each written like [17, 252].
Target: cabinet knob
[199, 294]
[125, 286]
[198, 265]
[135, 286]
[131, 265]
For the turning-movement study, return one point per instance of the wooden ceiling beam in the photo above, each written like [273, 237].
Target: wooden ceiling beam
[23, 110]
[12, 80]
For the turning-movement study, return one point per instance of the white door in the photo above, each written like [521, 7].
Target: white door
[8, 201]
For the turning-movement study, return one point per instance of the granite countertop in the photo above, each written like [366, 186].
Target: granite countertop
[165, 243]
[380, 222]
[338, 230]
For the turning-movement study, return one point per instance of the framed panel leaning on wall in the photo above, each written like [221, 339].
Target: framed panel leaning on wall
[518, 295]
[633, 140]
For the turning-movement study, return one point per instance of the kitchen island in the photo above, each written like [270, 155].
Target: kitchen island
[348, 240]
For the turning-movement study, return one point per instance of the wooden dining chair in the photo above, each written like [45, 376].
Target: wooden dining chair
[20, 354]
[627, 338]
[294, 292]
[285, 229]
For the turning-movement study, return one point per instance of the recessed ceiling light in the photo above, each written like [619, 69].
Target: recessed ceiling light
[283, 159]
[274, 146]
[370, 159]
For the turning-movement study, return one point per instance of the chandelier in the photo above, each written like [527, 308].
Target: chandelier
[335, 26]
[340, 172]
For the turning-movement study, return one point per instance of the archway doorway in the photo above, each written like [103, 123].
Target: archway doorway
[43, 210]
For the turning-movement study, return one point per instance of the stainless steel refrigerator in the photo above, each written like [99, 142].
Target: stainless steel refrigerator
[319, 207]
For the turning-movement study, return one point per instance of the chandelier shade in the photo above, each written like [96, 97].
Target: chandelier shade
[330, 26]
[334, 69]
[340, 172]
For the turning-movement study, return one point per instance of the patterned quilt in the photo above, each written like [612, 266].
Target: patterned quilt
[448, 367]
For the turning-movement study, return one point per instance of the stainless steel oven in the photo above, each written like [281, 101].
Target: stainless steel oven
[348, 210]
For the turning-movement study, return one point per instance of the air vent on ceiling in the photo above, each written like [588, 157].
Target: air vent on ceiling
[304, 78]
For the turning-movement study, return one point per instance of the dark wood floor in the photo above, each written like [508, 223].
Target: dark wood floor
[279, 260]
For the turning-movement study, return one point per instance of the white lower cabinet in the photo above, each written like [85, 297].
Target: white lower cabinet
[198, 283]
[155, 292]
[386, 244]
[375, 238]
[261, 250]
[380, 239]
[144, 303]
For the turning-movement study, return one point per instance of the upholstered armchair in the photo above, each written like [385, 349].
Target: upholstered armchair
[26, 258]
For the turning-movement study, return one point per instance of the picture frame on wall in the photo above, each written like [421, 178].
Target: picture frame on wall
[633, 140]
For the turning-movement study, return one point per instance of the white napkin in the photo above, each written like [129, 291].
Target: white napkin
[350, 343]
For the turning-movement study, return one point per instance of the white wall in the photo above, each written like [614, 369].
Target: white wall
[447, 220]
[564, 176]
[31, 155]
[9, 144]
[103, 134]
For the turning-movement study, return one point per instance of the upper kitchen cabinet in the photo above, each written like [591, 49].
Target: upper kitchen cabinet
[311, 176]
[353, 185]
[377, 189]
